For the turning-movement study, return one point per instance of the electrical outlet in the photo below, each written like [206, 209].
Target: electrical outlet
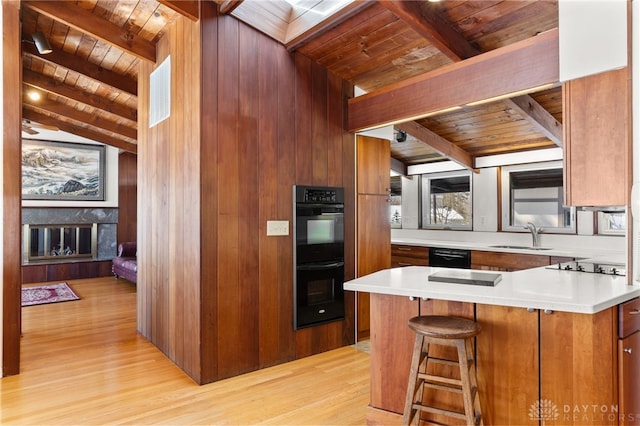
[277, 227]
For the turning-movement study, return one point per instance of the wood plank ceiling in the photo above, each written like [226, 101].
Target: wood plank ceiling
[89, 81]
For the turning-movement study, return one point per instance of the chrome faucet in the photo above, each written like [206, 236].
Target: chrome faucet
[535, 233]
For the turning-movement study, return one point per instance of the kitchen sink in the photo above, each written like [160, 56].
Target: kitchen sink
[507, 246]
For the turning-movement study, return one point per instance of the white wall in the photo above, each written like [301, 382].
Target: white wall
[485, 200]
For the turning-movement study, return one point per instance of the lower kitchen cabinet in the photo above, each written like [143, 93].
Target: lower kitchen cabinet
[629, 367]
[501, 261]
[556, 367]
[508, 364]
[578, 367]
[534, 367]
[629, 362]
[404, 255]
[391, 349]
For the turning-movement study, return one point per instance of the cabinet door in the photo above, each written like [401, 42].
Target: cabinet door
[391, 349]
[597, 139]
[374, 248]
[373, 165]
[403, 255]
[502, 261]
[507, 358]
[629, 378]
[578, 367]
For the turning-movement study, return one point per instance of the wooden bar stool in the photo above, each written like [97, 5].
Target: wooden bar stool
[449, 332]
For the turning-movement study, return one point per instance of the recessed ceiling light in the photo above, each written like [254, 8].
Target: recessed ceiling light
[34, 96]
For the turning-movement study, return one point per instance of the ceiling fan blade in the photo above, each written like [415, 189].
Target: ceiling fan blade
[29, 130]
[31, 124]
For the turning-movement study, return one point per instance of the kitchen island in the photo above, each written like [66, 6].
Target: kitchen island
[550, 348]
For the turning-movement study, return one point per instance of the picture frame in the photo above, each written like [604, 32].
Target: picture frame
[62, 171]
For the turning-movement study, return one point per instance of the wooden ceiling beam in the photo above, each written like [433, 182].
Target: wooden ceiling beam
[438, 143]
[95, 72]
[524, 65]
[186, 8]
[539, 117]
[423, 19]
[83, 20]
[79, 131]
[50, 85]
[227, 6]
[82, 116]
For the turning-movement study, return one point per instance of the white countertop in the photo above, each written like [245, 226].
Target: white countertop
[538, 288]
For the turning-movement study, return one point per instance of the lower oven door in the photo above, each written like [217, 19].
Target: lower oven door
[319, 297]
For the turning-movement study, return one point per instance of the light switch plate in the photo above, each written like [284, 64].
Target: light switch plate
[277, 227]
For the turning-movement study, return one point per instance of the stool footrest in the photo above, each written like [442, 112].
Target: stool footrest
[443, 361]
[442, 411]
[447, 388]
[440, 380]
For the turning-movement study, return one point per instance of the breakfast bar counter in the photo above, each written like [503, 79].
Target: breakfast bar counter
[551, 347]
[537, 288]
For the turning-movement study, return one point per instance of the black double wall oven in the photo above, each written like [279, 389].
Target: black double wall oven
[318, 255]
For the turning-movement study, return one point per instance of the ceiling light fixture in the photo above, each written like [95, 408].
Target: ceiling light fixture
[41, 42]
[34, 96]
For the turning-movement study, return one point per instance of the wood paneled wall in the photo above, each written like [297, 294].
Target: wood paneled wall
[127, 197]
[169, 204]
[215, 293]
[11, 193]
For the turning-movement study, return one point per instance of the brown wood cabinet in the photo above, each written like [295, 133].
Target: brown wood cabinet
[597, 137]
[567, 361]
[373, 227]
[404, 255]
[507, 357]
[578, 366]
[501, 261]
[629, 362]
[391, 350]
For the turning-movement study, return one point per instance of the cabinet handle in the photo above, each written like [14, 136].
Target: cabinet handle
[404, 264]
[634, 312]
[628, 350]
[403, 248]
[412, 298]
[531, 309]
[548, 311]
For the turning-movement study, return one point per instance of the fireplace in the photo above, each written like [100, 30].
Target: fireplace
[59, 242]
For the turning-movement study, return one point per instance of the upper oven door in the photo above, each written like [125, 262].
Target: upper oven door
[319, 232]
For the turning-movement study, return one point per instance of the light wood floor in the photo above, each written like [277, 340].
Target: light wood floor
[83, 363]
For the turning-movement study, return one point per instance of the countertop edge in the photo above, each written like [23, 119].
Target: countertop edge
[505, 296]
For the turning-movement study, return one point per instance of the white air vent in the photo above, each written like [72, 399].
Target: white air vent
[160, 93]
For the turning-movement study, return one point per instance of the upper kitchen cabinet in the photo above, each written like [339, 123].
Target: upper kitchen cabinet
[597, 139]
[373, 165]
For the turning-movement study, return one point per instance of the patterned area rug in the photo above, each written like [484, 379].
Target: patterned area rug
[43, 294]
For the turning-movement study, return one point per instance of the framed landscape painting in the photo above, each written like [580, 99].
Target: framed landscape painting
[62, 171]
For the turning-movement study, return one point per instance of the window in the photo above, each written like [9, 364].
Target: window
[535, 193]
[395, 202]
[446, 200]
[612, 223]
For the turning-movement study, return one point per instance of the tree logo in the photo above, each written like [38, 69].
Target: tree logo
[543, 409]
